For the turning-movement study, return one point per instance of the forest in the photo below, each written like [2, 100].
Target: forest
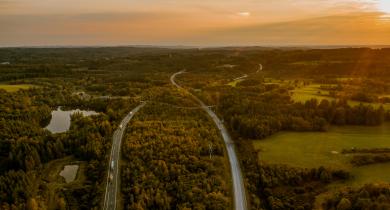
[370, 196]
[26, 147]
[255, 109]
[166, 150]
[173, 158]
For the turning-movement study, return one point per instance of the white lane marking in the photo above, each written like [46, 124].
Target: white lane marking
[114, 156]
[239, 189]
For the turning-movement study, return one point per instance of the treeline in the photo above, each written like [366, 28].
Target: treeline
[369, 156]
[280, 187]
[130, 62]
[372, 196]
[366, 151]
[258, 117]
[294, 188]
[360, 160]
[166, 161]
[363, 62]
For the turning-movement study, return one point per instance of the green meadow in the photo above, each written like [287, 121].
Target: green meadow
[14, 88]
[235, 82]
[303, 94]
[314, 149]
[306, 93]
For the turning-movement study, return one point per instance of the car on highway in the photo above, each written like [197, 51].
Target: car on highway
[120, 126]
[112, 165]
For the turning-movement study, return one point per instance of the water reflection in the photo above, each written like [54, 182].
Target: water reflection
[69, 173]
[60, 120]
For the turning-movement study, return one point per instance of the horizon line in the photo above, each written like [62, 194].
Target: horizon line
[180, 46]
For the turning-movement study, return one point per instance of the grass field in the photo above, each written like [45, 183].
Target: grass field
[314, 149]
[306, 93]
[235, 82]
[14, 88]
[53, 183]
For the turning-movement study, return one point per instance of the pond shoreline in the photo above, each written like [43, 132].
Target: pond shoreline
[69, 172]
[61, 119]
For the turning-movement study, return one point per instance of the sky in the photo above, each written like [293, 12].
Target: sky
[194, 22]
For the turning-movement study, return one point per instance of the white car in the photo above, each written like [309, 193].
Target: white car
[112, 165]
[120, 126]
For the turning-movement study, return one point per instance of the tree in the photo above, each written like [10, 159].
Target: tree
[344, 204]
[32, 204]
[61, 204]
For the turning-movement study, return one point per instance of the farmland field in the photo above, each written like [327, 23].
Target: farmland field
[235, 82]
[14, 88]
[306, 93]
[303, 94]
[314, 149]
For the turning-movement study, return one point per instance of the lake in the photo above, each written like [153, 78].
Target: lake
[60, 120]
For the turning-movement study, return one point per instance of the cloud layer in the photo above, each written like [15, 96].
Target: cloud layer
[220, 22]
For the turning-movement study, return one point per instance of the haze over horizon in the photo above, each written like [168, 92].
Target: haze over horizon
[195, 23]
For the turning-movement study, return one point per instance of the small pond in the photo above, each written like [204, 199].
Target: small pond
[60, 120]
[69, 173]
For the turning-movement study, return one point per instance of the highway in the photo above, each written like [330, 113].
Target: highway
[240, 202]
[112, 186]
[242, 77]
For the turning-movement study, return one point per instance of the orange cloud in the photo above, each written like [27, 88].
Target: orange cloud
[219, 22]
[348, 29]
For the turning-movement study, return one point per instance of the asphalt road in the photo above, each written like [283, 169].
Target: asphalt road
[242, 77]
[112, 186]
[240, 202]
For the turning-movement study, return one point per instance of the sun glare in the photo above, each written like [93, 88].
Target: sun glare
[244, 14]
[384, 6]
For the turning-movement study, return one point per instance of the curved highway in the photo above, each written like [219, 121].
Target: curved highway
[112, 186]
[240, 202]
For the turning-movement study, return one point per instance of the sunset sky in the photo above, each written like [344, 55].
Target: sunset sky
[194, 22]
